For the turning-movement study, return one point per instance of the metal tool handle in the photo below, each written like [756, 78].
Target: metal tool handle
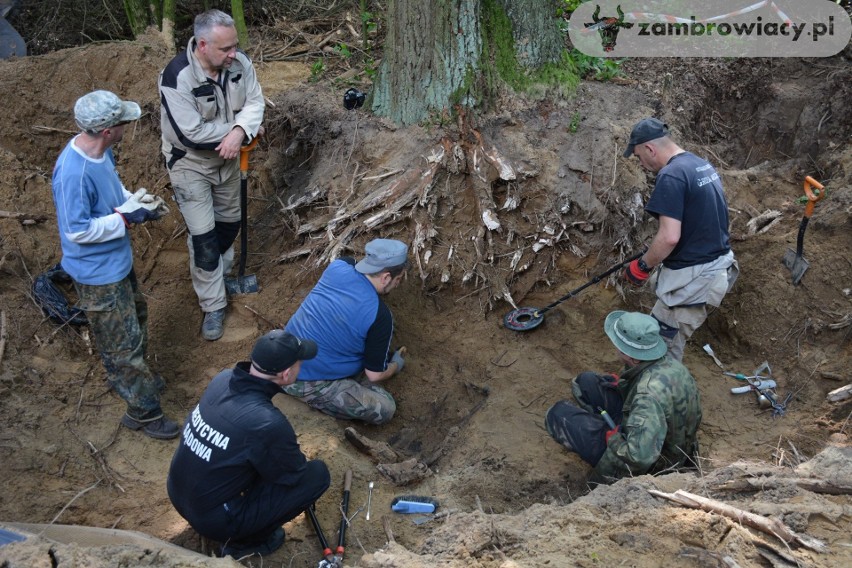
[341, 541]
[812, 196]
[326, 550]
[594, 280]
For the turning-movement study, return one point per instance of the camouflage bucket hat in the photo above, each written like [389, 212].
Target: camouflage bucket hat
[636, 335]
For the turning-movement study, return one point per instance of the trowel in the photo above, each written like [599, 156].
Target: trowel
[814, 191]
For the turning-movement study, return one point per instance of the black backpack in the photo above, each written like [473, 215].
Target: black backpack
[52, 301]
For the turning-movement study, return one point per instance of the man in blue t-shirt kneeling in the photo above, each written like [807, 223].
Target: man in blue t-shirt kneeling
[692, 242]
[345, 315]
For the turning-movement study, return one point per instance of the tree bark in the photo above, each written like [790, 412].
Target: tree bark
[537, 38]
[167, 25]
[442, 53]
[137, 15]
[239, 16]
[429, 51]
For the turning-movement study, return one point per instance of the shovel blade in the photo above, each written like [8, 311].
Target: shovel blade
[796, 264]
[246, 284]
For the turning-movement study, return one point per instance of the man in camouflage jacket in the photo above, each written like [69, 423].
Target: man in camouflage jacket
[643, 421]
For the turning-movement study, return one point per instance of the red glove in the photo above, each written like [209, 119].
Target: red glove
[609, 434]
[635, 274]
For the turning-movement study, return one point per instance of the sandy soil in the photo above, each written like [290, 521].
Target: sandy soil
[473, 395]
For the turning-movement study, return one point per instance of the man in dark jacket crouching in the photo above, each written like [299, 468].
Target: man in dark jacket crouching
[238, 474]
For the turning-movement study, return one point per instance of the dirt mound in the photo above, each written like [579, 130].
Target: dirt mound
[472, 398]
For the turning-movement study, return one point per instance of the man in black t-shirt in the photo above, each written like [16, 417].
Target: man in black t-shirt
[238, 473]
[692, 242]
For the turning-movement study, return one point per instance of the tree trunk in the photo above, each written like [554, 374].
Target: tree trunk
[137, 15]
[442, 53]
[167, 25]
[239, 16]
[537, 38]
[430, 50]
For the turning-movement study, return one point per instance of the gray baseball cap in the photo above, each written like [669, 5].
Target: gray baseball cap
[101, 109]
[381, 254]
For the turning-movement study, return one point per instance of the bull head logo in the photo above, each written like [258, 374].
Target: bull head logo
[608, 28]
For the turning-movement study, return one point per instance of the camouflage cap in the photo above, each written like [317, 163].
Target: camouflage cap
[636, 335]
[99, 110]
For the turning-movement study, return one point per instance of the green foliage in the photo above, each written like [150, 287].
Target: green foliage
[370, 68]
[317, 70]
[567, 6]
[500, 61]
[343, 50]
[598, 68]
[575, 122]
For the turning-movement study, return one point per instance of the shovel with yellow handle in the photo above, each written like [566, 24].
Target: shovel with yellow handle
[814, 191]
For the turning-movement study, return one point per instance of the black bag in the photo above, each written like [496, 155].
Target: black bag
[52, 301]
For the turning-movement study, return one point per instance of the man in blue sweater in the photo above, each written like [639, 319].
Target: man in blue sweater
[353, 327]
[95, 214]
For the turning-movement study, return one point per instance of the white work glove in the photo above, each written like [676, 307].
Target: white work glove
[152, 203]
[133, 212]
[398, 359]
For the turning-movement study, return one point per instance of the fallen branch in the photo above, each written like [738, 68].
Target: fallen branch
[77, 496]
[23, 218]
[834, 396]
[2, 334]
[769, 526]
[386, 525]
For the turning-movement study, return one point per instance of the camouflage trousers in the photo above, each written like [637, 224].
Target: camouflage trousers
[118, 318]
[347, 399]
[581, 429]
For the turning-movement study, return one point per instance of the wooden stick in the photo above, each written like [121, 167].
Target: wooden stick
[2, 334]
[24, 218]
[78, 495]
[387, 527]
[773, 527]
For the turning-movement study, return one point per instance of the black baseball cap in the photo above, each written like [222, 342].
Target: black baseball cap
[279, 350]
[645, 130]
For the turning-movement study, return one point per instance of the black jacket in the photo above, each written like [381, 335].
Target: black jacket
[231, 440]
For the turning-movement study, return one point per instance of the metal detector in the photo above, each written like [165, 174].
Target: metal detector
[525, 319]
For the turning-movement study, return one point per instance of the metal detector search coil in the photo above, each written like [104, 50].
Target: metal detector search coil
[525, 319]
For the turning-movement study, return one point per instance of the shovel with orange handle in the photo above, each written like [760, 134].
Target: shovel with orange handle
[244, 283]
[814, 191]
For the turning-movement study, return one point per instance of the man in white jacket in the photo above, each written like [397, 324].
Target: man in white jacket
[212, 104]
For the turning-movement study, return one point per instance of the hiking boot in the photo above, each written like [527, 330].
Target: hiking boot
[239, 550]
[161, 429]
[213, 326]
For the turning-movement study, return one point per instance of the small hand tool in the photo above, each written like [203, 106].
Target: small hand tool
[709, 351]
[607, 418]
[369, 499]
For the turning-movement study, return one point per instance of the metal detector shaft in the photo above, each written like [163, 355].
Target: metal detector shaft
[341, 542]
[594, 280]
